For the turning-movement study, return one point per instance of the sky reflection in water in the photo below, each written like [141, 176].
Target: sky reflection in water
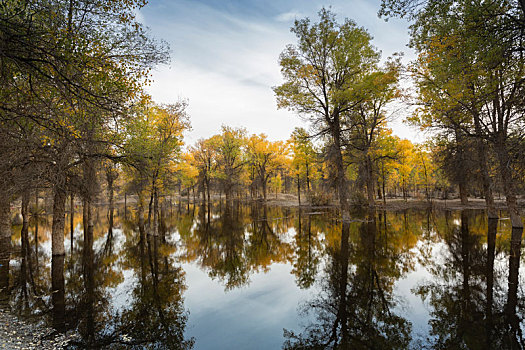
[236, 278]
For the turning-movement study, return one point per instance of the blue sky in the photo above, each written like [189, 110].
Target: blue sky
[224, 58]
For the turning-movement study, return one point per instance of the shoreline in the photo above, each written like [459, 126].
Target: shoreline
[17, 333]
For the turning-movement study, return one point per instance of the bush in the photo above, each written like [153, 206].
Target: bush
[358, 199]
[320, 199]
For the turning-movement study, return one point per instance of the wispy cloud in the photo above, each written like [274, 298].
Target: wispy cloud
[225, 57]
[288, 16]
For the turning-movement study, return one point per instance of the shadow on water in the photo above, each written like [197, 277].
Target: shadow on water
[119, 286]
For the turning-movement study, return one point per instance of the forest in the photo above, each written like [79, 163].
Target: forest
[79, 131]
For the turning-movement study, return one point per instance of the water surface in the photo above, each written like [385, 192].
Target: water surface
[256, 277]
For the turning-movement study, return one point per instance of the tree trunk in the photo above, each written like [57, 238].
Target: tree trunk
[227, 192]
[308, 178]
[84, 216]
[58, 291]
[463, 193]
[141, 217]
[263, 180]
[384, 185]
[71, 218]
[508, 183]
[24, 237]
[463, 178]
[484, 168]
[342, 189]
[5, 247]
[111, 204]
[298, 189]
[208, 190]
[155, 213]
[36, 229]
[88, 233]
[59, 220]
[370, 183]
[162, 222]
[24, 232]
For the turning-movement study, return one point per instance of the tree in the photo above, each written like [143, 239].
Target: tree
[369, 119]
[153, 149]
[204, 155]
[266, 157]
[69, 70]
[230, 158]
[303, 158]
[480, 40]
[322, 73]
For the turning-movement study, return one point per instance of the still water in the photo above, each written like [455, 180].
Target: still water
[256, 277]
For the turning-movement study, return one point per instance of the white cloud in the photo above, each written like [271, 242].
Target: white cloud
[288, 16]
[225, 61]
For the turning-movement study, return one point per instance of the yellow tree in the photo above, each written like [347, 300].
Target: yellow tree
[230, 158]
[385, 156]
[205, 159]
[303, 159]
[188, 173]
[153, 148]
[404, 165]
[424, 169]
[266, 158]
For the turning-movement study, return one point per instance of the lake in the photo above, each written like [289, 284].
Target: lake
[258, 277]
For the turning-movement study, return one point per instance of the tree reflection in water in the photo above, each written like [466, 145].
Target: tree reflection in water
[355, 309]
[466, 294]
[124, 287]
[513, 332]
[236, 243]
[80, 286]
